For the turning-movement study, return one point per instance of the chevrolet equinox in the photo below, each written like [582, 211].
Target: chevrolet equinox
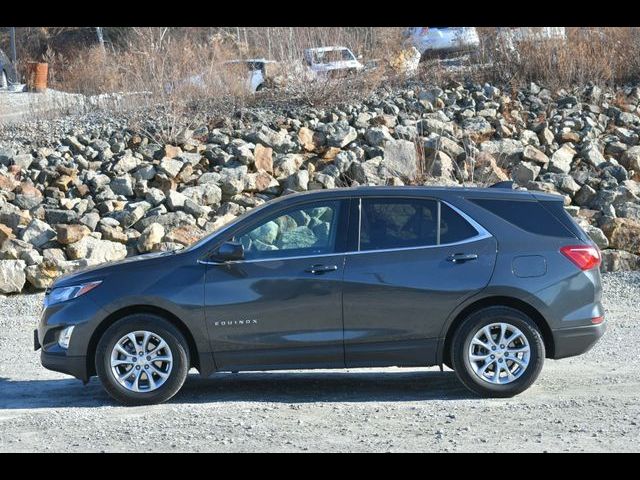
[488, 281]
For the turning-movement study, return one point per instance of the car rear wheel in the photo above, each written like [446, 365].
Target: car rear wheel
[142, 359]
[498, 352]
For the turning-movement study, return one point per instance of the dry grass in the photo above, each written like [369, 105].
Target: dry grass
[182, 70]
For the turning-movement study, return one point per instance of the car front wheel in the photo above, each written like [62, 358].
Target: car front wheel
[142, 359]
[498, 352]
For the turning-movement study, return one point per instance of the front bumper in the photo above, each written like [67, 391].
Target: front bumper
[71, 365]
[569, 342]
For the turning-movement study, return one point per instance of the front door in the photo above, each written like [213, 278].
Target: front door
[407, 277]
[281, 306]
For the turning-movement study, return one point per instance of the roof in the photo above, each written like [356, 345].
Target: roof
[326, 49]
[425, 191]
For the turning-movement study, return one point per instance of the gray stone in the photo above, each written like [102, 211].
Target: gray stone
[38, 233]
[597, 236]
[377, 136]
[400, 159]
[96, 251]
[298, 181]
[12, 276]
[171, 167]
[122, 186]
[525, 172]
[206, 194]
[150, 237]
[561, 159]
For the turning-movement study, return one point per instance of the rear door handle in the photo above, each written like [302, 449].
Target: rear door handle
[462, 257]
[319, 269]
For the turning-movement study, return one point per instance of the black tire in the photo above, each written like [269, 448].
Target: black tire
[464, 336]
[157, 325]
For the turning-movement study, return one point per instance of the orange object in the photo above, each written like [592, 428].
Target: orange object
[37, 78]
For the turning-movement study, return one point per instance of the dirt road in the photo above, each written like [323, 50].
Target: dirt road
[587, 403]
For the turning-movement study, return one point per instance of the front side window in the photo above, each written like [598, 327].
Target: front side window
[305, 230]
[390, 223]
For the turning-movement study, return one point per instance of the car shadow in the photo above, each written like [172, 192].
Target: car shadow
[274, 387]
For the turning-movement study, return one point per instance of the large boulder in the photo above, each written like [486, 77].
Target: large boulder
[67, 234]
[614, 260]
[623, 234]
[12, 276]
[561, 159]
[400, 159]
[151, 237]
[96, 251]
[38, 233]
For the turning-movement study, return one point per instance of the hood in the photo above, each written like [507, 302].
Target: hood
[97, 272]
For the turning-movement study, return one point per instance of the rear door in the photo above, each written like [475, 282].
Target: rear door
[417, 259]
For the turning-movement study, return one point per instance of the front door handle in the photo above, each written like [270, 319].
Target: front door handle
[319, 269]
[462, 257]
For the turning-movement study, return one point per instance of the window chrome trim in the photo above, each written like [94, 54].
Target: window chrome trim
[482, 234]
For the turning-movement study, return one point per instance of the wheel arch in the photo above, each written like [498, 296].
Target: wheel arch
[498, 301]
[133, 309]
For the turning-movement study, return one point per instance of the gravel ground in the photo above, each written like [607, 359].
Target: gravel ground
[587, 403]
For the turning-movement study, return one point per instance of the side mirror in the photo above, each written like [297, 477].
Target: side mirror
[359, 57]
[230, 251]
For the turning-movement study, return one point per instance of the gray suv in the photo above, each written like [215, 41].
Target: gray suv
[489, 282]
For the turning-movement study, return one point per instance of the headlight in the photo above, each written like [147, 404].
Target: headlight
[65, 337]
[62, 294]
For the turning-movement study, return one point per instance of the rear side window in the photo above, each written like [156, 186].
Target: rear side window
[530, 216]
[454, 228]
[388, 223]
[397, 223]
[558, 211]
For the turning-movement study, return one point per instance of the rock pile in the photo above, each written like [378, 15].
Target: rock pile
[100, 192]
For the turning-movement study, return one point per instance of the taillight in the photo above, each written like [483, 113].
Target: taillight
[585, 257]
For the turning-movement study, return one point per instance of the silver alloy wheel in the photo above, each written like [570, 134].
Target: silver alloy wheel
[141, 361]
[499, 353]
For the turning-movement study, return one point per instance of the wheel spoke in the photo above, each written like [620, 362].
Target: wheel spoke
[132, 339]
[136, 381]
[503, 331]
[124, 361]
[477, 341]
[477, 358]
[158, 371]
[487, 333]
[483, 369]
[152, 382]
[160, 346]
[518, 350]
[145, 342]
[520, 362]
[122, 350]
[515, 336]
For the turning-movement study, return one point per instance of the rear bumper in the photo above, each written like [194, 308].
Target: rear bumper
[59, 362]
[569, 342]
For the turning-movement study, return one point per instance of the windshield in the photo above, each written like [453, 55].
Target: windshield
[330, 56]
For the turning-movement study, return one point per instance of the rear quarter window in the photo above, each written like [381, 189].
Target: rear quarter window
[530, 216]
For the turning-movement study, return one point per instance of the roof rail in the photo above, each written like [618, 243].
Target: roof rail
[508, 184]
